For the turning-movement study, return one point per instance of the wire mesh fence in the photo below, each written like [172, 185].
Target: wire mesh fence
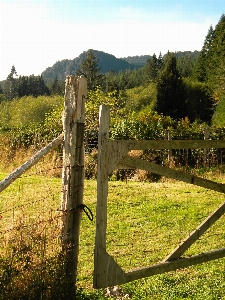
[30, 223]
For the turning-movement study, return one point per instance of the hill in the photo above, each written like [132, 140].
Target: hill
[138, 61]
[107, 62]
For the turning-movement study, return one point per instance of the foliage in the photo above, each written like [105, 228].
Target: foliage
[26, 110]
[210, 65]
[218, 118]
[137, 60]
[10, 88]
[125, 79]
[144, 125]
[202, 64]
[24, 86]
[57, 87]
[216, 76]
[139, 98]
[147, 124]
[107, 62]
[90, 70]
[186, 62]
[153, 67]
[94, 100]
[171, 92]
[31, 121]
[200, 104]
[31, 85]
[1, 90]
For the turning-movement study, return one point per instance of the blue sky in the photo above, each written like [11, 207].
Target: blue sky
[34, 34]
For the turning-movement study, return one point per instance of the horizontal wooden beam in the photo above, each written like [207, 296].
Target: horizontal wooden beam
[195, 235]
[173, 265]
[175, 174]
[30, 163]
[164, 144]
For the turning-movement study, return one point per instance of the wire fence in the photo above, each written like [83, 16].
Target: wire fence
[30, 223]
[139, 227]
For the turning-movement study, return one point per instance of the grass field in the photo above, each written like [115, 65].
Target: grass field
[146, 221]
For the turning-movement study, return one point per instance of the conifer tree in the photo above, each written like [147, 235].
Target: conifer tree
[10, 89]
[160, 62]
[204, 61]
[171, 91]
[151, 69]
[216, 65]
[90, 70]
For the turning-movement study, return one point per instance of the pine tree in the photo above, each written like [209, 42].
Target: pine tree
[151, 69]
[10, 89]
[90, 70]
[23, 89]
[211, 63]
[32, 85]
[216, 66]
[204, 61]
[160, 62]
[200, 103]
[56, 88]
[171, 91]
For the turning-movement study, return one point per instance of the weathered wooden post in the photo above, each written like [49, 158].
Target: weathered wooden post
[206, 151]
[102, 191]
[169, 151]
[73, 173]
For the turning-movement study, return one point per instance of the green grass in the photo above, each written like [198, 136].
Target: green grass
[146, 221]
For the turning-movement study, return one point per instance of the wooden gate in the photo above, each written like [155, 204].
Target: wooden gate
[113, 154]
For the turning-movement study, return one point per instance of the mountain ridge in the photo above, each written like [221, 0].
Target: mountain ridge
[107, 63]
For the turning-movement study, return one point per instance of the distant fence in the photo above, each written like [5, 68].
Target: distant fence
[195, 158]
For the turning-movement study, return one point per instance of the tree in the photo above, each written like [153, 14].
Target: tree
[211, 63]
[32, 85]
[200, 102]
[23, 87]
[57, 88]
[90, 70]
[216, 65]
[10, 89]
[151, 69]
[203, 62]
[171, 91]
[160, 61]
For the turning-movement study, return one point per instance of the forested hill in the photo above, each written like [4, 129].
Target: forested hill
[138, 61]
[107, 62]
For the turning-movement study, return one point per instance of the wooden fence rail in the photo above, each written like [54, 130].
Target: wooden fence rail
[30, 163]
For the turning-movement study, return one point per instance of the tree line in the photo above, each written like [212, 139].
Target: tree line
[190, 87]
[186, 86]
[19, 86]
[177, 96]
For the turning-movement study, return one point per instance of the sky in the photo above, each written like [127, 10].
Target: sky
[34, 34]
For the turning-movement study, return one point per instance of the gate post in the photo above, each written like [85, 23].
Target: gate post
[72, 173]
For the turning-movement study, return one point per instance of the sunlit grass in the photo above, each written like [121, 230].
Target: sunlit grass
[146, 221]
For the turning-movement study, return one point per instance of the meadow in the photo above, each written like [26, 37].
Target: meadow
[146, 221]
